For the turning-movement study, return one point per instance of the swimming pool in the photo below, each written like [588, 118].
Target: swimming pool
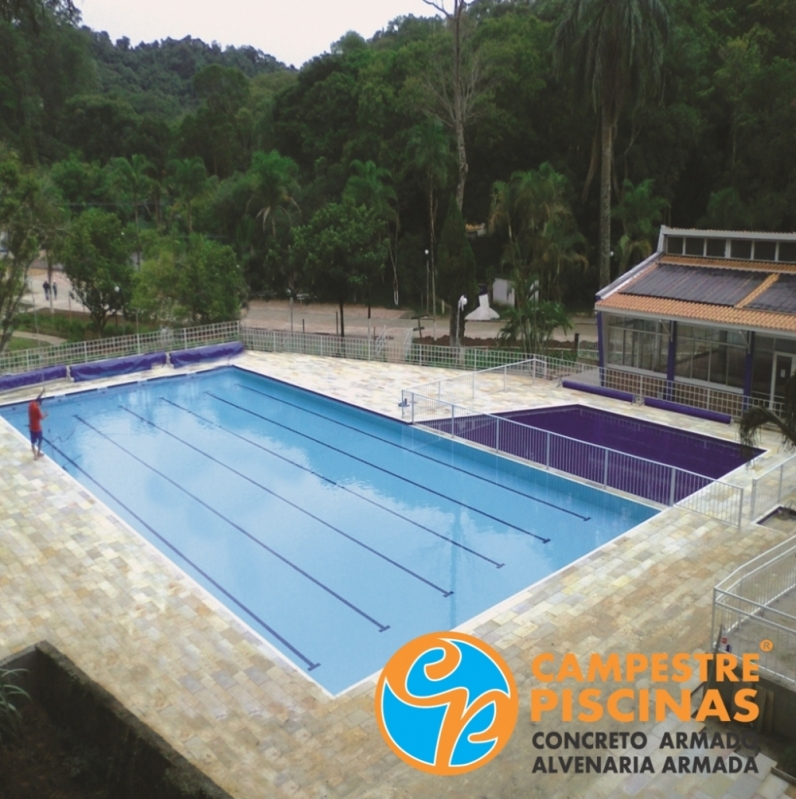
[335, 533]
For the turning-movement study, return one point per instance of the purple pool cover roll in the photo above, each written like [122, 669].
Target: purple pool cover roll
[211, 353]
[117, 366]
[7, 382]
[702, 413]
[612, 393]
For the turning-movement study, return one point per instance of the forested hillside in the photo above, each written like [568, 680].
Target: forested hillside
[191, 147]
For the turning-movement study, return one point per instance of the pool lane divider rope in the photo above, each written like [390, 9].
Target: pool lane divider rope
[318, 519]
[417, 454]
[300, 655]
[381, 627]
[387, 471]
[335, 484]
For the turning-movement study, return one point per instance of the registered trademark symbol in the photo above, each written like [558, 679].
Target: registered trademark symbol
[766, 645]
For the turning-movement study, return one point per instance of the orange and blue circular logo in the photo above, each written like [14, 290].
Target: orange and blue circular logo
[446, 703]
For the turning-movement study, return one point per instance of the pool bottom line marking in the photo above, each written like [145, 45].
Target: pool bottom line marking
[309, 663]
[418, 454]
[337, 530]
[331, 591]
[336, 484]
[382, 469]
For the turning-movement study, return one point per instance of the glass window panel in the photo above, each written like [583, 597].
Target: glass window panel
[694, 246]
[674, 245]
[765, 250]
[787, 251]
[761, 374]
[786, 345]
[741, 248]
[715, 248]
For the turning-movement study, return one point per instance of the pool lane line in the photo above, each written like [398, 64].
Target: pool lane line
[318, 519]
[332, 592]
[413, 452]
[271, 630]
[336, 484]
[386, 471]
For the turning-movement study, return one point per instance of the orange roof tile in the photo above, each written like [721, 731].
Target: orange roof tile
[697, 311]
[726, 263]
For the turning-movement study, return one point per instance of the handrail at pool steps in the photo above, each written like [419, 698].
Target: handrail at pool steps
[769, 488]
[742, 608]
[610, 468]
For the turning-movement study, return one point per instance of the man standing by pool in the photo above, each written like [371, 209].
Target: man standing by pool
[35, 417]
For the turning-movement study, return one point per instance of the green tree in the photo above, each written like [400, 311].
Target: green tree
[532, 324]
[429, 152]
[613, 50]
[340, 250]
[758, 417]
[96, 257]
[640, 212]
[273, 181]
[129, 176]
[533, 209]
[456, 269]
[188, 181]
[19, 240]
[371, 186]
[198, 281]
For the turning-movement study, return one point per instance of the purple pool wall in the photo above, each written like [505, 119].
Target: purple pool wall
[683, 462]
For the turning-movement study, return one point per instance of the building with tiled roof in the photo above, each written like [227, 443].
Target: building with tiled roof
[711, 308]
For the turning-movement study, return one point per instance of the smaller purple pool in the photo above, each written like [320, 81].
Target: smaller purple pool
[572, 438]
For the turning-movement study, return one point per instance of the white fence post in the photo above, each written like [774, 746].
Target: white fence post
[672, 485]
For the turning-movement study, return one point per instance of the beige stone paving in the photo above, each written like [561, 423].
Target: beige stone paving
[73, 573]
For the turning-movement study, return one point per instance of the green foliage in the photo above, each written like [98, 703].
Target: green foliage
[96, 257]
[640, 212]
[456, 264]
[197, 282]
[756, 418]
[20, 195]
[341, 250]
[532, 324]
[10, 694]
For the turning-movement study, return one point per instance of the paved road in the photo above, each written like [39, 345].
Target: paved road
[323, 318]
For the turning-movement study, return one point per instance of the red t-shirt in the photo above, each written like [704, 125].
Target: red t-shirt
[35, 416]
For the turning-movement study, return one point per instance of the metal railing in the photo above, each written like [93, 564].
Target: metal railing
[639, 385]
[744, 611]
[770, 487]
[603, 466]
[118, 346]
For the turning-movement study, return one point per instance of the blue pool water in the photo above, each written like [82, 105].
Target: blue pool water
[336, 534]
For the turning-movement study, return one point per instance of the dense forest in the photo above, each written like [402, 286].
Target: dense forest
[207, 173]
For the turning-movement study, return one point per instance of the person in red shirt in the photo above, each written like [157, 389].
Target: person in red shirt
[35, 417]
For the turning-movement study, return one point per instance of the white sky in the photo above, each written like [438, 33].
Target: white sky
[292, 31]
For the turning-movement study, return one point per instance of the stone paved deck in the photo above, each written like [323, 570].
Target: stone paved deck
[73, 573]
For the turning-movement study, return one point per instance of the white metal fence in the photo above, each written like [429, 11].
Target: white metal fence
[755, 603]
[603, 466]
[458, 389]
[118, 346]
[769, 489]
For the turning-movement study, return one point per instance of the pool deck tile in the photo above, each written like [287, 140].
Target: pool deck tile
[73, 573]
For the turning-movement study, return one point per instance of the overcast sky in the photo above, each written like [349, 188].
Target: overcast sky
[292, 31]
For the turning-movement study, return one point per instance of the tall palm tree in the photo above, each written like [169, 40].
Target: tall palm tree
[130, 178]
[189, 181]
[274, 184]
[640, 212]
[755, 418]
[371, 185]
[429, 152]
[613, 51]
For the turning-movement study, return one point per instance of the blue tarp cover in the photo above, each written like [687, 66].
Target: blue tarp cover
[7, 382]
[211, 353]
[613, 393]
[117, 366]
